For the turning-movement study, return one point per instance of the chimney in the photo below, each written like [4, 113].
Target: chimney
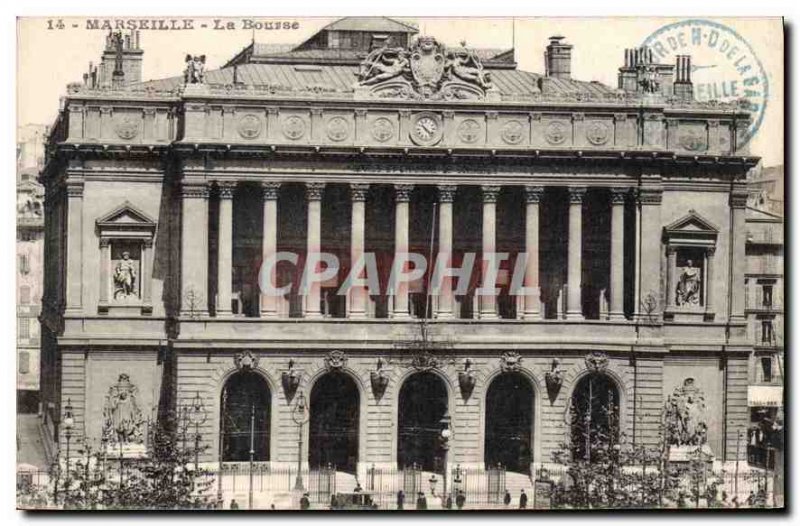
[558, 58]
[121, 63]
[684, 90]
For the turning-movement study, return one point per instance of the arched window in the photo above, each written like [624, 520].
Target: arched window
[333, 431]
[422, 405]
[246, 405]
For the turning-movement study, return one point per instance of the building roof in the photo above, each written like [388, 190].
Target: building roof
[341, 78]
[370, 23]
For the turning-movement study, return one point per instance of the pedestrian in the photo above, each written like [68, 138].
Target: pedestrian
[523, 500]
[735, 501]
[422, 502]
[234, 504]
[751, 499]
[449, 502]
[507, 498]
[401, 499]
[461, 499]
[334, 501]
[358, 488]
[304, 502]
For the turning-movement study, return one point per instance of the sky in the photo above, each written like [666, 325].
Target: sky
[49, 59]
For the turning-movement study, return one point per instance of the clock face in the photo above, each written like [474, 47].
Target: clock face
[426, 129]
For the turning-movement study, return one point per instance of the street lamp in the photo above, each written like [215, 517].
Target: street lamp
[69, 423]
[196, 415]
[300, 415]
[446, 434]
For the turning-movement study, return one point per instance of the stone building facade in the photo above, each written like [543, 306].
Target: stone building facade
[164, 198]
[30, 256]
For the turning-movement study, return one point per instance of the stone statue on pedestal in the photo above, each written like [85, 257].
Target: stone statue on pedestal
[687, 293]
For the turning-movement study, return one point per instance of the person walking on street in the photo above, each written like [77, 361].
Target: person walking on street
[507, 498]
[401, 499]
[304, 502]
[461, 499]
[448, 503]
[523, 500]
[234, 504]
[422, 502]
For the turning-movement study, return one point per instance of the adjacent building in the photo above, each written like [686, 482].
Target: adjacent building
[621, 210]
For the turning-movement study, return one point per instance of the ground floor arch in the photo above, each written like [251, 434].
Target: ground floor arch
[422, 404]
[594, 416]
[334, 420]
[509, 422]
[246, 404]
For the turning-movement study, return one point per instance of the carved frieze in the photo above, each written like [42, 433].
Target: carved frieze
[337, 129]
[513, 132]
[127, 126]
[123, 422]
[598, 133]
[556, 132]
[294, 127]
[382, 129]
[469, 131]
[685, 416]
[250, 126]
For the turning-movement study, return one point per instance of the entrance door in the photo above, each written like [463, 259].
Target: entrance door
[509, 423]
[422, 404]
[334, 423]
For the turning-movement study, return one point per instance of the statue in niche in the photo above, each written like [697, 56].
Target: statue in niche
[685, 417]
[122, 417]
[125, 276]
[687, 292]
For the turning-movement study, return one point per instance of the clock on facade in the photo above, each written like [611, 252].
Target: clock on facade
[426, 129]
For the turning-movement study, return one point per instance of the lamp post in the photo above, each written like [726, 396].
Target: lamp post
[69, 422]
[300, 415]
[446, 434]
[196, 416]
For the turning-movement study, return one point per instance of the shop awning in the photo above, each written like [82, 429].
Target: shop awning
[765, 396]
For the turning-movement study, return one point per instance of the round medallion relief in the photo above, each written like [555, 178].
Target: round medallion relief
[469, 131]
[338, 129]
[249, 126]
[382, 129]
[597, 133]
[513, 132]
[556, 132]
[294, 127]
[127, 127]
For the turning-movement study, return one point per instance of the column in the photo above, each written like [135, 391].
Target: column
[225, 249]
[574, 307]
[194, 249]
[709, 270]
[446, 194]
[402, 196]
[105, 272]
[617, 278]
[314, 193]
[270, 190]
[648, 304]
[738, 234]
[672, 263]
[533, 196]
[488, 303]
[358, 295]
[74, 256]
[147, 276]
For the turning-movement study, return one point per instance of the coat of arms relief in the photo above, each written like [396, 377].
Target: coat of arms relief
[425, 71]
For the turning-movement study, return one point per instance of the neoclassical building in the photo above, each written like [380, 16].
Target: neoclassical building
[621, 209]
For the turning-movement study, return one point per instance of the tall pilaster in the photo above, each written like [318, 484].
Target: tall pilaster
[446, 194]
[358, 295]
[270, 191]
[649, 301]
[225, 249]
[617, 278]
[74, 256]
[314, 191]
[738, 201]
[402, 196]
[194, 249]
[575, 247]
[488, 302]
[533, 196]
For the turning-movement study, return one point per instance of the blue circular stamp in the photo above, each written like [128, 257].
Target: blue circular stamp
[724, 66]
